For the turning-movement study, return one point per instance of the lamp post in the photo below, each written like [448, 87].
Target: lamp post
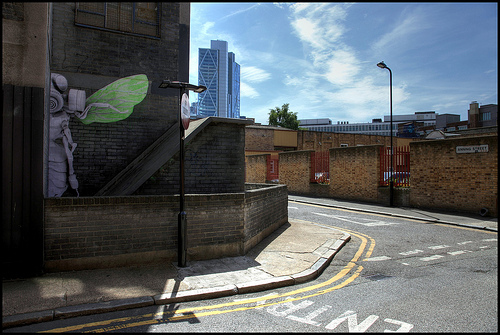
[183, 125]
[391, 173]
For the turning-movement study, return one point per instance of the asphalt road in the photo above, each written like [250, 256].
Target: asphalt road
[394, 275]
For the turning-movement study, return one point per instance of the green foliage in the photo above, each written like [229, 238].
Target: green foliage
[282, 117]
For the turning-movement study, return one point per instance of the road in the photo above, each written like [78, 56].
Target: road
[394, 275]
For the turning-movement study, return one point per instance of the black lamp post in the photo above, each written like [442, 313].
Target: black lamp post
[183, 125]
[391, 173]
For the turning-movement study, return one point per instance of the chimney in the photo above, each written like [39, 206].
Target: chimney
[474, 115]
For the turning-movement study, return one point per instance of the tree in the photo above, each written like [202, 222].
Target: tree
[282, 117]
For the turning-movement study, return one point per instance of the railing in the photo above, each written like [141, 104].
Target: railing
[272, 169]
[320, 167]
[401, 166]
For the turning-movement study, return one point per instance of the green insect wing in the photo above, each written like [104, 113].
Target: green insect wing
[116, 101]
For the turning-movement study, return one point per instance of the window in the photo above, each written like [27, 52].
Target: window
[137, 18]
[485, 116]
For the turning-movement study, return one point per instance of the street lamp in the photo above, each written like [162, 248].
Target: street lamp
[183, 119]
[391, 173]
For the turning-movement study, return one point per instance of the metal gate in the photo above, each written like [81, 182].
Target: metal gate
[320, 167]
[401, 166]
[272, 169]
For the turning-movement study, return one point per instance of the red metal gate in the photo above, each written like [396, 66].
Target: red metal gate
[320, 167]
[401, 166]
[272, 169]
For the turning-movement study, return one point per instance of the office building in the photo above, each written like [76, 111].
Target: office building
[193, 110]
[376, 127]
[405, 125]
[233, 89]
[483, 116]
[219, 72]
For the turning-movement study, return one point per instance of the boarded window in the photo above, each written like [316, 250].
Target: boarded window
[138, 18]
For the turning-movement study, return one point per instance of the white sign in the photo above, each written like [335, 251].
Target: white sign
[185, 113]
[468, 149]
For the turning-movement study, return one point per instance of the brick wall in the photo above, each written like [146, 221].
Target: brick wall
[264, 211]
[13, 11]
[85, 233]
[294, 168]
[354, 172]
[256, 168]
[309, 140]
[90, 59]
[106, 149]
[443, 179]
[214, 163]
[259, 138]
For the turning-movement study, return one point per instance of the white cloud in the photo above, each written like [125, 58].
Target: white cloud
[321, 28]
[342, 68]
[254, 74]
[404, 32]
[319, 25]
[292, 81]
[241, 11]
[248, 91]
[350, 91]
[307, 31]
[205, 27]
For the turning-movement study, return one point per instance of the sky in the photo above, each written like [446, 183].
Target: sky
[321, 58]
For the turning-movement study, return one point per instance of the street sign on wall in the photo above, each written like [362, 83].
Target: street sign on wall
[471, 149]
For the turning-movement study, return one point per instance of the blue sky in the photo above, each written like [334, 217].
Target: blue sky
[321, 57]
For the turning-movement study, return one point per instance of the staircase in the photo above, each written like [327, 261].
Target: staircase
[153, 158]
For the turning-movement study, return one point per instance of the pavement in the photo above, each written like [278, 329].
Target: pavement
[280, 260]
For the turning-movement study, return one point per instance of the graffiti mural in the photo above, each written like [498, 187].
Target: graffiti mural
[112, 103]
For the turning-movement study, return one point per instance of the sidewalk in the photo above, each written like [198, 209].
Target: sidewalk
[279, 260]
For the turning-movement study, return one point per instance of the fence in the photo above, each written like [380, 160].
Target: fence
[320, 167]
[272, 169]
[401, 166]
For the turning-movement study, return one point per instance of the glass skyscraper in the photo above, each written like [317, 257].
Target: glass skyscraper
[218, 71]
[233, 88]
[208, 75]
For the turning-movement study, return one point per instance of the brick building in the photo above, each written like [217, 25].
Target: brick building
[91, 53]
[91, 45]
[482, 116]
[265, 139]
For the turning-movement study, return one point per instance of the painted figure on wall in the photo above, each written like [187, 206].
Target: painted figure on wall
[112, 103]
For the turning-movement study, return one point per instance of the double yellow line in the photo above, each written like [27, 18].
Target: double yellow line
[189, 313]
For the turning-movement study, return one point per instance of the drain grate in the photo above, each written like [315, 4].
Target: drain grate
[378, 277]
